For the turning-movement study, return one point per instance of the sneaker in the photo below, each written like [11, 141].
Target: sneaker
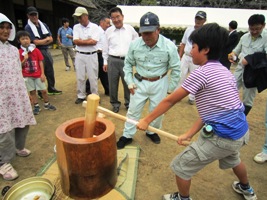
[36, 110]
[23, 153]
[123, 141]
[67, 69]
[154, 137]
[191, 102]
[248, 194]
[49, 107]
[116, 109]
[78, 101]
[174, 196]
[54, 92]
[5, 189]
[8, 172]
[260, 158]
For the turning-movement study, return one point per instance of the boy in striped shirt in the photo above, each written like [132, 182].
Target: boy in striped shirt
[222, 123]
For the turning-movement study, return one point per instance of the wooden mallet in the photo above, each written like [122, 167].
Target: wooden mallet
[125, 119]
[90, 115]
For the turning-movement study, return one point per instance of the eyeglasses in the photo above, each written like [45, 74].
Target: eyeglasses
[116, 17]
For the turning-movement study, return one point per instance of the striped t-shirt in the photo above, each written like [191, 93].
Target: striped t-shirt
[217, 99]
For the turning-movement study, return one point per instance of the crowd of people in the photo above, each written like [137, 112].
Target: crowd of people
[150, 70]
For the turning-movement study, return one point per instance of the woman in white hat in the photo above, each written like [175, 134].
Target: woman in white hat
[15, 108]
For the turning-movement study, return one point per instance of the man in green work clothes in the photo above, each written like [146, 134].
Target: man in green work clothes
[253, 41]
[153, 55]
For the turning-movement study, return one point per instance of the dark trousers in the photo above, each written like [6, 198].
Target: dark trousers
[48, 70]
[115, 73]
[102, 75]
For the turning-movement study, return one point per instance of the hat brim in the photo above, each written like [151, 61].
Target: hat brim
[12, 34]
[200, 16]
[31, 12]
[77, 14]
[144, 29]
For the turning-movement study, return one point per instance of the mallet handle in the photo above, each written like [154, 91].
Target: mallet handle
[90, 115]
[123, 118]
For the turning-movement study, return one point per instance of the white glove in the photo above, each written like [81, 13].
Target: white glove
[132, 86]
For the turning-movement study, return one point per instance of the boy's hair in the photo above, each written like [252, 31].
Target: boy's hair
[115, 9]
[64, 20]
[22, 34]
[210, 36]
[233, 24]
[256, 19]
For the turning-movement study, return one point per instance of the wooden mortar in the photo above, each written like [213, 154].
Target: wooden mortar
[87, 166]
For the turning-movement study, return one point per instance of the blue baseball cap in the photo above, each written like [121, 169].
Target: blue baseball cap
[149, 22]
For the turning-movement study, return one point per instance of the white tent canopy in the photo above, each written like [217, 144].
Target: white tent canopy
[182, 17]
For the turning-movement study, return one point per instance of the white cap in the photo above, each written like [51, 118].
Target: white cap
[79, 11]
[12, 35]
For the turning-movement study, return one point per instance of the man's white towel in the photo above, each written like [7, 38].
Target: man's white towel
[34, 29]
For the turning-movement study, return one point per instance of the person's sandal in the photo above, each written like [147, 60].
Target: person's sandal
[23, 153]
[8, 172]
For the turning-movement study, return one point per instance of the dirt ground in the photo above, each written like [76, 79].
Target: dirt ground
[154, 175]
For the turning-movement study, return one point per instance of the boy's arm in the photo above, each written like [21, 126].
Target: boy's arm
[163, 107]
[25, 58]
[42, 70]
[191, 132]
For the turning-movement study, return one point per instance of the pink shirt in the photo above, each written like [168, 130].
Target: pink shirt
[15, 107]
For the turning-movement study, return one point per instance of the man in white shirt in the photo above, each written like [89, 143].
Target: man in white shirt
[104, 23]
[115, 48]
[187, 65]
[102, 75]
[85, 36]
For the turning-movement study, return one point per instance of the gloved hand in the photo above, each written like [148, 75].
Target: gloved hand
[232, 57]
[132, 86]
